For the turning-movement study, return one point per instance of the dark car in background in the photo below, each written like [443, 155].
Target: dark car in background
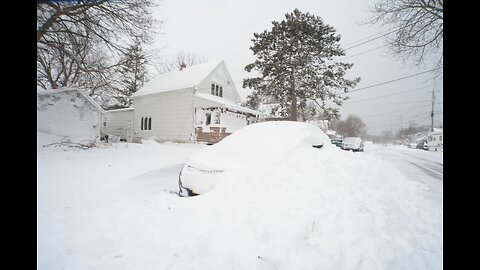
[337, 142]
[422, 145]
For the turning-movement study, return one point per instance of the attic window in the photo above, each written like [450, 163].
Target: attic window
[217, 90]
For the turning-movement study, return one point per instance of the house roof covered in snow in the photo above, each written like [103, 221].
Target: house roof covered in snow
[218, 101]
[436, 131]
[178, 79]
[61, 90]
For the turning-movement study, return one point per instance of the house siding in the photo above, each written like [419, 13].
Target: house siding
[171, 112]
[120, 123]
[219, 76]
[69, 114]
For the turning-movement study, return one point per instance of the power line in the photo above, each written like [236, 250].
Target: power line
[396, 103]
[370, 40]
[394, 80]
[362, 39]
[376, 115]
[341, 59]
[411, 90]
[409, 118]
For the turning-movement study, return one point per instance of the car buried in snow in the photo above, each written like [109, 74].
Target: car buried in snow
[250, 146]
[353, 143]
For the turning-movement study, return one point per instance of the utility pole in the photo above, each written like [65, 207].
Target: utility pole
[401, 126]
[433, 102]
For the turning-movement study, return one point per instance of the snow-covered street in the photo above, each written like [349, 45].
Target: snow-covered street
[419, 165]
[115, 207]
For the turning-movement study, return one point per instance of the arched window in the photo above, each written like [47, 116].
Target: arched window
[141, 124]
[149, 123]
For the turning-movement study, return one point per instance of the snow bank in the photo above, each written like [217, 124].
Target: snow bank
[333, 210]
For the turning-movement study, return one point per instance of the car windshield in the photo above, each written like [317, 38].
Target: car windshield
[352, 140]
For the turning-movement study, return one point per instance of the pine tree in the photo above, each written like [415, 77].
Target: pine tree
[133, 72]
[296, 62]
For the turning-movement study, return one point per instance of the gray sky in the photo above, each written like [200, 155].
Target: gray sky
[223, 29]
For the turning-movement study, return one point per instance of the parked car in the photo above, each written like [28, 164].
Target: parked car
[422, 145]
[337, 142]
[353, 143]
[252, 145]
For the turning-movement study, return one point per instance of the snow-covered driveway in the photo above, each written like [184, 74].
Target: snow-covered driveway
[115, 208]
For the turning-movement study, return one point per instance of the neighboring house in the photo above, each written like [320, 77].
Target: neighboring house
[120, 123]
[435, 140]
[69, 112]
[198, 103]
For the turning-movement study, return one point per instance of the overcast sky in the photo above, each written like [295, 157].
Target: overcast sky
[223, 29]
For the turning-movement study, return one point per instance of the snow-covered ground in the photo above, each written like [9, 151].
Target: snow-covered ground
[115, 207]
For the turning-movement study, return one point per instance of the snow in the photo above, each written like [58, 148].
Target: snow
[65, 113]
[178, 79]
[226, 103]
[116, 208]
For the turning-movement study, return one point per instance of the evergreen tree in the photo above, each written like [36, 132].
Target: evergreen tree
[133, 73]
[295, 60]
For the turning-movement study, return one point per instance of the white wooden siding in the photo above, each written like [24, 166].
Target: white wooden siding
[171, 112]
[233, 121]
[68, 114]
[219, 76]
[120, 123]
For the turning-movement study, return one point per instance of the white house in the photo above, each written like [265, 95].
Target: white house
[69, 112]
[435, 140]
[198, 103]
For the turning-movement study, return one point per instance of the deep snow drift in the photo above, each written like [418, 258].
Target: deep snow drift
[115, 208]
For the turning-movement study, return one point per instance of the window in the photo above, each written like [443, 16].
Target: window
[146, 123]
[217, 90]
[209, 119]
[441, 138]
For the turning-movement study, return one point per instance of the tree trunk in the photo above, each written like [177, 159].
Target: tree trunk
[293, 104]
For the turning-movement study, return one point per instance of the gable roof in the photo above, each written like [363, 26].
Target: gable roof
[178, 79]
[42, 92]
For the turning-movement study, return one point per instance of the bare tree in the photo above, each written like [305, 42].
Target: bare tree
[81, 42]
[353, 126]
[178, 61]
[417, 28]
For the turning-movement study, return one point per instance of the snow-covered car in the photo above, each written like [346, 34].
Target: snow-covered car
[352, 143]
[246, 148]
[337, 142]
